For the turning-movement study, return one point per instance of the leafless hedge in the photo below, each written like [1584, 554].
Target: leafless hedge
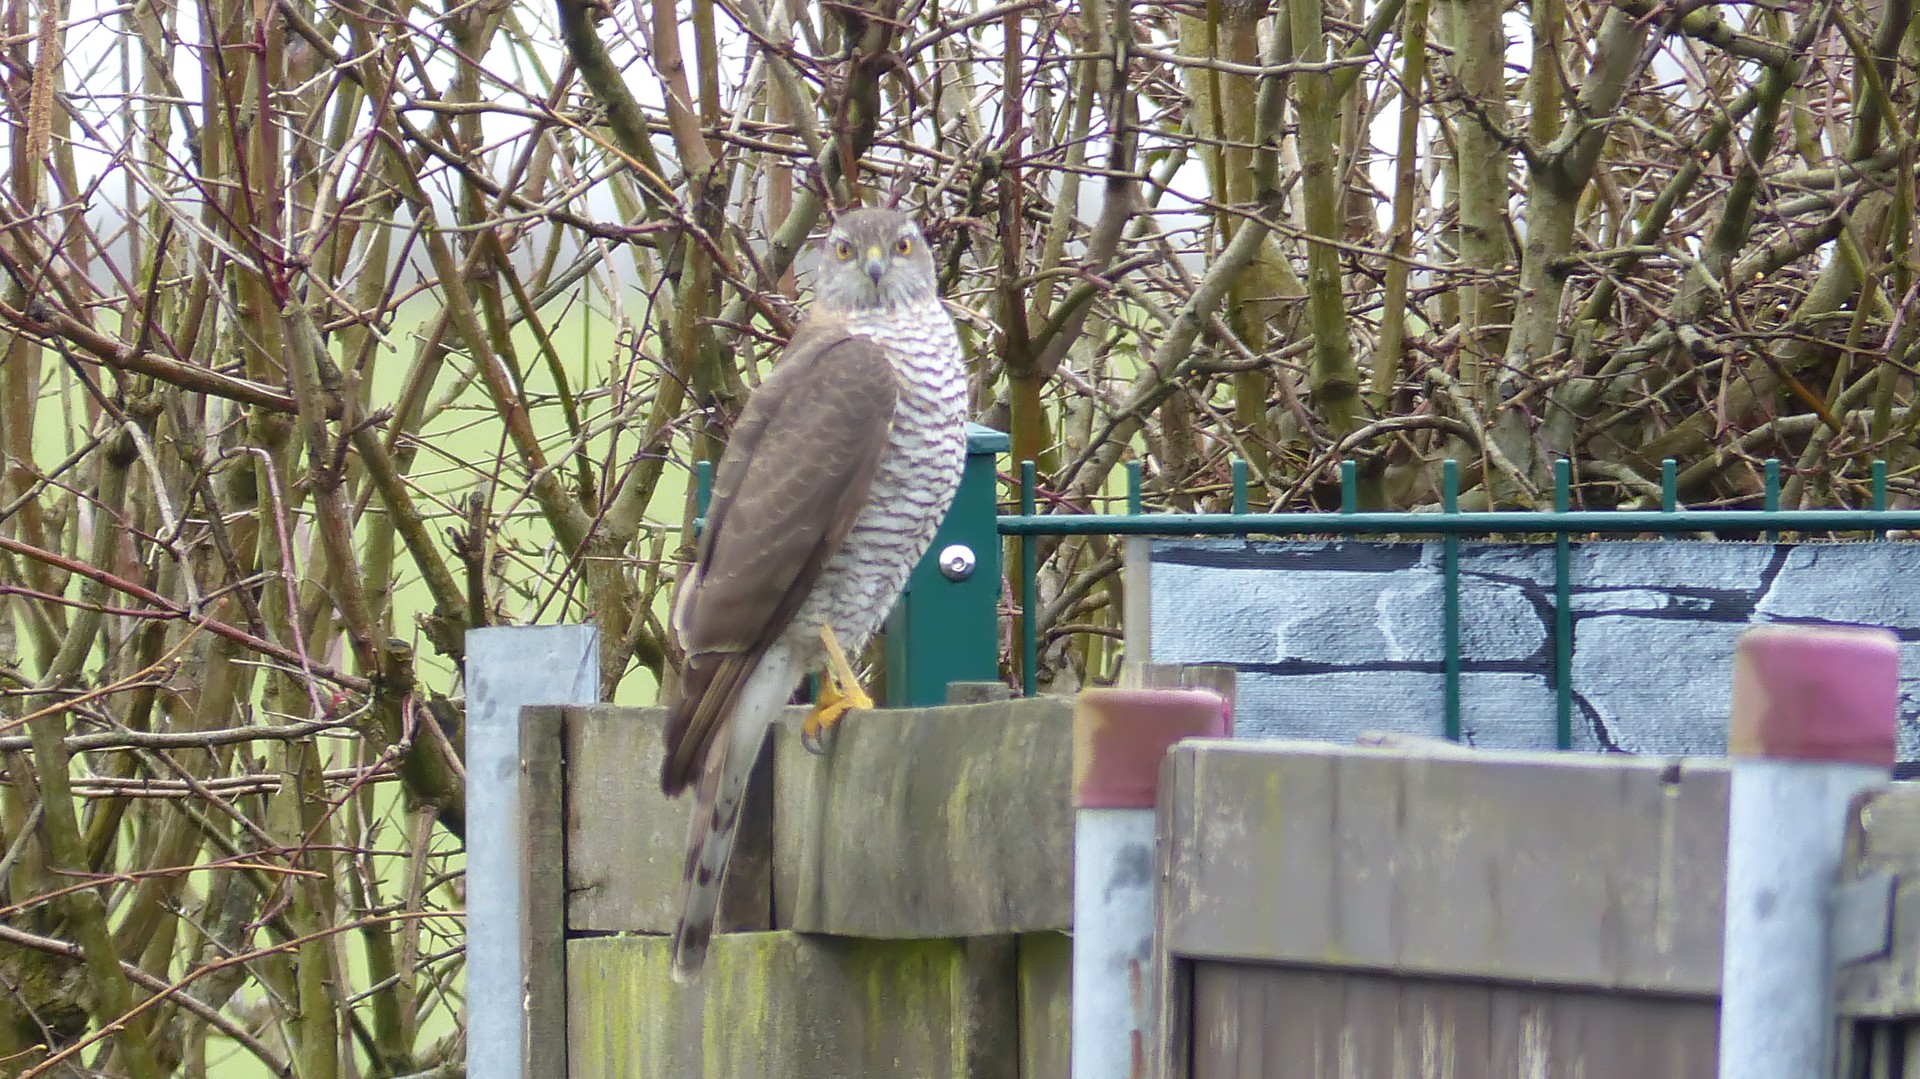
[334, 330]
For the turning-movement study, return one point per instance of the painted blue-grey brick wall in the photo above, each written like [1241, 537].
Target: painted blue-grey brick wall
[1334, 638]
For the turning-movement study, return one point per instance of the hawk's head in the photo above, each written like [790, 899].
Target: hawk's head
[875, 258]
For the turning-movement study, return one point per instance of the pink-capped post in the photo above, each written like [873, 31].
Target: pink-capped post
[1120, 739]
[1815, 710]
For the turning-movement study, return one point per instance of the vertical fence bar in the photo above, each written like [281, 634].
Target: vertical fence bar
[1239, 485]
[1771, 493]
[1669, 485]
[1029, 587]
[508, 668]
[1450, 598]
[1349, 487]
[1814, 715]
[1136, 553]
[1562, 610]
[1880, 494]
[1120, 738]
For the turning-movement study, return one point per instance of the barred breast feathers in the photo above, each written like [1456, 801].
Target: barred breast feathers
[916, 479]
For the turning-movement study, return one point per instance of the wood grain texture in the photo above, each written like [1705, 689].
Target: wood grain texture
[1602, 872]
[626, 842]
[543, 925]
[1136, 602]
[931, 823]
[1046, 1005]
[1169, 1048]
[784, 1005]
[978, 692]
[1255, 1020]
[1885, 837]
[1215, 676]
[987, 998]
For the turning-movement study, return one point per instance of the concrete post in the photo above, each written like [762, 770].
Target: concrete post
[1120, 738]
[1814, 712]
[508, 668]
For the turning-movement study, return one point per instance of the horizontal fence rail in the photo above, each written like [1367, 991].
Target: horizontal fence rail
[1451, 524]
[1450, 519]
[1483, 523]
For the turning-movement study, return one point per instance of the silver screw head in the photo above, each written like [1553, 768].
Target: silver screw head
[957, 562]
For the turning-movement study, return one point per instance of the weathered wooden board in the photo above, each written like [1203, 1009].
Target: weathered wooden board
[543, 926]
[986, 850]
[987, 986]
[939, 822]
[978, 692]
[1046, 1005]
[1885, 837]
[1254, 1020]
[1170, 1049]
[1331, 638]
[1570, 870]
[794, 1007]
[626, 842]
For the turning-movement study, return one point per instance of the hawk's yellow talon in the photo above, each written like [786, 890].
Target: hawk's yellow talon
[840, 692]
[826, 713]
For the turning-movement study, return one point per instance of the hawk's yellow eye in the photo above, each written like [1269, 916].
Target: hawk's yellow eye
[904, 245]
[843, 249]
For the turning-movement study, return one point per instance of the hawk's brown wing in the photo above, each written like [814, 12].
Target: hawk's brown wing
[792, 482]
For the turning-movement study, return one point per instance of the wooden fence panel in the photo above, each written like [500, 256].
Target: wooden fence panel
[792, 1006]
[951, 821]
[1258, 1020]
[1878, 997]
[1600, 872]
[1884, 837]
[626, 842]
[1046, 1005]
[927, 856]
[1390, 913]
[543, 926]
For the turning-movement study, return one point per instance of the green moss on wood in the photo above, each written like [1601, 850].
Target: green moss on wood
[776, 1004]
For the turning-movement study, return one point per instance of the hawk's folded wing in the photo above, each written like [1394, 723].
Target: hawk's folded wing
[793, 480]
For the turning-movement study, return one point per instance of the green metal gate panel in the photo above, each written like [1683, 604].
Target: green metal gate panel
[946, 627]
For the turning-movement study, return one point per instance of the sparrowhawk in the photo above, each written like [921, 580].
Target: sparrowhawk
[840, 468]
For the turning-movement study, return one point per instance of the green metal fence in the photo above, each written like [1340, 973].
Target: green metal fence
[1451, 524]
[945, 629]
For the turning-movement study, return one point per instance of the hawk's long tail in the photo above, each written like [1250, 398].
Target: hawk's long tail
[716, 811]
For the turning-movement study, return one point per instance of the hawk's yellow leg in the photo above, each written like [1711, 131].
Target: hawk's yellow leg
[840, 691]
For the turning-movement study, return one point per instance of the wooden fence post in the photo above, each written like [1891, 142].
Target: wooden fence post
[1813, 724]
[508, 669]
[1120, 738]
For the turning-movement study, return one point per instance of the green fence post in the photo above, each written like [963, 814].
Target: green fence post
[946, 627]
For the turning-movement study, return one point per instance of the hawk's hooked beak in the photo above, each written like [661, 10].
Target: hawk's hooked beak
[875, 265]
